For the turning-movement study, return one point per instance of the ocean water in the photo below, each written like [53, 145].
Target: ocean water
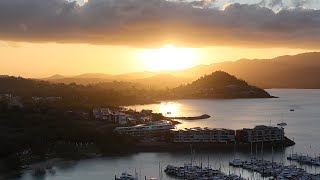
[303, 126]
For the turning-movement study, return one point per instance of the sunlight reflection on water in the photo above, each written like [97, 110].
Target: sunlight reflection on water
[303, 126]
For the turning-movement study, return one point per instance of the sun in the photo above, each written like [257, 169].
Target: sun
[168, 58]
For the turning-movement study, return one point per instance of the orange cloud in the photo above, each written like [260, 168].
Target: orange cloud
[156, 22]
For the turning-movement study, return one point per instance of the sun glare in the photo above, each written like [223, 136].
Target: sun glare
[168, 58]
[169, 109]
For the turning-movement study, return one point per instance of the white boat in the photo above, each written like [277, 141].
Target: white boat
[126, 176]
[236, 162]
[293, 157]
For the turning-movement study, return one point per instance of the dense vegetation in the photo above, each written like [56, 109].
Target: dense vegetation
[53, 132]
[101, 94]
[219, 85]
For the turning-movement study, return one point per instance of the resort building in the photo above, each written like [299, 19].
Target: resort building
[146, 111]
[46, 99]
[110, 116]
[260, 134]
[203, 135]
[147, 129]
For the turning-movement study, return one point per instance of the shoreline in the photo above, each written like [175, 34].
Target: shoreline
[50, 164]
[180, 147]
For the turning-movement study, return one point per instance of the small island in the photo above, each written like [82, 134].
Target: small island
[218, 85]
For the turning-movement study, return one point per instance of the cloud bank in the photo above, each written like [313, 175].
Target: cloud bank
[145, 23]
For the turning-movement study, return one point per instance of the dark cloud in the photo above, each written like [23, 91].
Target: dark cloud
[155, 22]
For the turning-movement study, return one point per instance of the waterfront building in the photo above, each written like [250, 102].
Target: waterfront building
[146, 129]
[146, 118]
[260, 134]
[110, 116]
[203, 135]
[146, 111]
[46, 99]
[120, 118]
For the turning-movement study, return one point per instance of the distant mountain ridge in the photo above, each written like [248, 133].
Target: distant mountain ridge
[155, 80]
[296, 71]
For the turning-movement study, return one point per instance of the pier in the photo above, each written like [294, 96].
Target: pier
[204, 116]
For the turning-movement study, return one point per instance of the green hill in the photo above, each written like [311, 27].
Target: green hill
[219, 85]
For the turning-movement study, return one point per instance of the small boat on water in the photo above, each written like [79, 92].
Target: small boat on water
[291, 109]
[294, 157]
[305, 159]
[282, 124]
[126, 176]
[236, 162]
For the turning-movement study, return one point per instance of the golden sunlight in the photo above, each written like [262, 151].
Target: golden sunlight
[169, 58]
[169, 109]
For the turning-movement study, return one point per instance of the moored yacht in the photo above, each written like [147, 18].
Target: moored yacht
[236, 162]
[126, 176]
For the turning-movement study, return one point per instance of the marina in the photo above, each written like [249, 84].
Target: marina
[302, 127]
[305, 159]
[191, 172]
[276, 170]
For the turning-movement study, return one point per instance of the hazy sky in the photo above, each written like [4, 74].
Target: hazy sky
[44, 37]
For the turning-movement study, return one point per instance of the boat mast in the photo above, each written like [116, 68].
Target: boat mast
[262, 150]
[272, 154]
[251, 149]
[257, 150]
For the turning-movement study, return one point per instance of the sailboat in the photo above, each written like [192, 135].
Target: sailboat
[236, 162]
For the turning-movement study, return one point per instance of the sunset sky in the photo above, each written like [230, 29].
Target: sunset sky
[39, 38]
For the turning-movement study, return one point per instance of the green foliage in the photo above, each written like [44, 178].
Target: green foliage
[79, 96]
[219, 85]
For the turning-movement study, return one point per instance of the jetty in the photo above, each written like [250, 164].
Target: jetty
[204, 116]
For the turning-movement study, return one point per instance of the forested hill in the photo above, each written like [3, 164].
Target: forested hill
[101, 94]
[219, 85]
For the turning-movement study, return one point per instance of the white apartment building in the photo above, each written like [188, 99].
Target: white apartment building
[146, 129]
[261, 134]
[203, 135]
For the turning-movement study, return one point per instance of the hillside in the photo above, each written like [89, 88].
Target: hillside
[100, 94]
[147, 79]
[219, 85]
[298, 71]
